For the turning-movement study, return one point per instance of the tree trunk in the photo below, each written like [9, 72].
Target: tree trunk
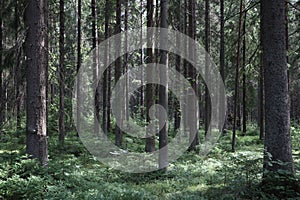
[61, 126]
[222, 63]
[207, 70]
[1, 63]
[177, 113]
[79, 97]
[118, 70]
[36, 130]
[105, 74]
[142, 61]
[126, 114]
[277, 108]
[192, 74]
[95, 66]
[18, 75]
[244, 77]
[236, 90]
[163, 91]
[150, 90]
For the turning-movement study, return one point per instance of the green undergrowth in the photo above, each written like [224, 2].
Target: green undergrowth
[72, 173]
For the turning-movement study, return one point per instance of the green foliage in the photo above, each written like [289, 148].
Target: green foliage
[72, 173]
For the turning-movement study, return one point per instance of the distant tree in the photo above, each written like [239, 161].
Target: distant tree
[95, 65]
[222, 61]
[236, 85]
[244, 103]
[18, 71]
[36, 130]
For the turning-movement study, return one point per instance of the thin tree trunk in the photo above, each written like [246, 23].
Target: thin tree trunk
[126, 114]
[277, 108]
[185, 69]
[142, 61]
[236, 90]
[177, 114]
[36, 130]
[244, 77]
[61, 71]
[108, 90]
[222, 63]
[95, 66]
[207, 70]
[79, 97]
[118, 70]
[150, 90]
[105, 74]
[18, 75]
[163, 91]
[194, 138]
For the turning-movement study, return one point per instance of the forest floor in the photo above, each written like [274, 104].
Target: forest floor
[72, 173]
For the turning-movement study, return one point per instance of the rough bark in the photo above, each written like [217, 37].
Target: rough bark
[1, 63]
[277, 108]
[36, 130]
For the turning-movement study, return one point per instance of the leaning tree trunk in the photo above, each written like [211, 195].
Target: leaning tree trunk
[36, 130]
[277, 108]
